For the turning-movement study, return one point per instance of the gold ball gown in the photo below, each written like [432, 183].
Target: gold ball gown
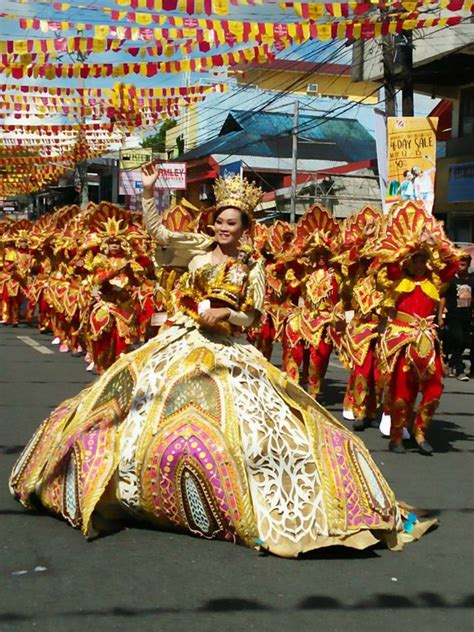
[197, 431]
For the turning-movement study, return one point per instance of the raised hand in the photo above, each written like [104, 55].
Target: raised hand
[150, 172]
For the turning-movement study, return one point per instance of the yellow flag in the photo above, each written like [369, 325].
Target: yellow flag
[356, 32]
[20, 46]
[143, 18]
[220, 7]
[409, 25]
[324, 32]
[50, 72]
[409, 6]
[237, 29]
[101, 30]
[316, 10]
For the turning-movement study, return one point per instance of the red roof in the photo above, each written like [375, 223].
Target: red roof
[444, 111]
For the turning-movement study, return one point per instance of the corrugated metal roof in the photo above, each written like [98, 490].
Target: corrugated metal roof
[268, 134]
[348, 134]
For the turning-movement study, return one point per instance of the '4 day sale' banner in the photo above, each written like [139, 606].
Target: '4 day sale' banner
[411, 144]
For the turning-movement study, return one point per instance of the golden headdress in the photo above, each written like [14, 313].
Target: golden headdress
[411, 230]
[237, 192]
[360, 233]
[317, 230]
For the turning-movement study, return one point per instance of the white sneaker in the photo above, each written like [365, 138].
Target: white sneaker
[56, 341]
[90, 367]
[348, 414]
[385, 424]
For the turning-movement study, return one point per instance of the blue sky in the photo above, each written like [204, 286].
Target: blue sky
[216, 106]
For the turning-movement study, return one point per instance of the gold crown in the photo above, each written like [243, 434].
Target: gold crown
[237, 192]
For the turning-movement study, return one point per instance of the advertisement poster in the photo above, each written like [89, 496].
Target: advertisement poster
[411, 145]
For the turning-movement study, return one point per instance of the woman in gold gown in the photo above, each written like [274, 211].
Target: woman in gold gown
[197, 431]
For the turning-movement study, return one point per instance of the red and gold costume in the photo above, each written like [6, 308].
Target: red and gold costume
[15, 274]
[410, 350]
[311, 325]
[278, 292]
[112, 324]
[362, 302]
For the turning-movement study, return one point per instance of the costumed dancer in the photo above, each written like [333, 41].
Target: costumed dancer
[199, 432]
[112, 325]
[312, 324]
[363, 305]
[16, 273]
[418, 259]
[278, 289]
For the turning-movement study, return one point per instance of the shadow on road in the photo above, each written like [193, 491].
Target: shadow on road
[380, 601]
[11, 449]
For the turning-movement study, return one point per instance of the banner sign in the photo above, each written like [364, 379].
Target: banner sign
[411, 143]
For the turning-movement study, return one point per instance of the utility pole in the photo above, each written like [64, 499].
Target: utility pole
[82, 166]
[405, 48]
[294, 161]
[388, 51]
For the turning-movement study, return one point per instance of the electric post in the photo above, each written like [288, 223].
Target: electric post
[390, 94]
[82, 142]
[405, 48]
[294, 162]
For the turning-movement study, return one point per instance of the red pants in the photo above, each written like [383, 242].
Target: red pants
[11, 309]
[363, 387]
[267, 338]
[318, 363]
[107, 349]
[404, 387]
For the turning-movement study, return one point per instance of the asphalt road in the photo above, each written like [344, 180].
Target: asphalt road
[51, 578]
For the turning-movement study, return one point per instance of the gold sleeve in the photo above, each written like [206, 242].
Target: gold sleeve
[257, 284]
[175, 249]
[257, 289]
[152, 222]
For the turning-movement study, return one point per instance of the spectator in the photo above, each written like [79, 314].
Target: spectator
[458, 302]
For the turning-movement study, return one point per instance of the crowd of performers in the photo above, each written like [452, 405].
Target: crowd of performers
[366, 288]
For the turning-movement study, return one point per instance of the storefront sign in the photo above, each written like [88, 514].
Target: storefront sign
[131, 159]
[172, 175]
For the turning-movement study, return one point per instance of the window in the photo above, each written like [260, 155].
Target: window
[466, 115]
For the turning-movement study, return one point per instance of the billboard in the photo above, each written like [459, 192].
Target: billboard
[411, 146]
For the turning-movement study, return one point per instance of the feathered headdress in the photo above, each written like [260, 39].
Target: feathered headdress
[359, 235]
[410, 230]
[317, 230]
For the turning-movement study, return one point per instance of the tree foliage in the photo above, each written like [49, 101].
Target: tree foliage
[157, 141]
